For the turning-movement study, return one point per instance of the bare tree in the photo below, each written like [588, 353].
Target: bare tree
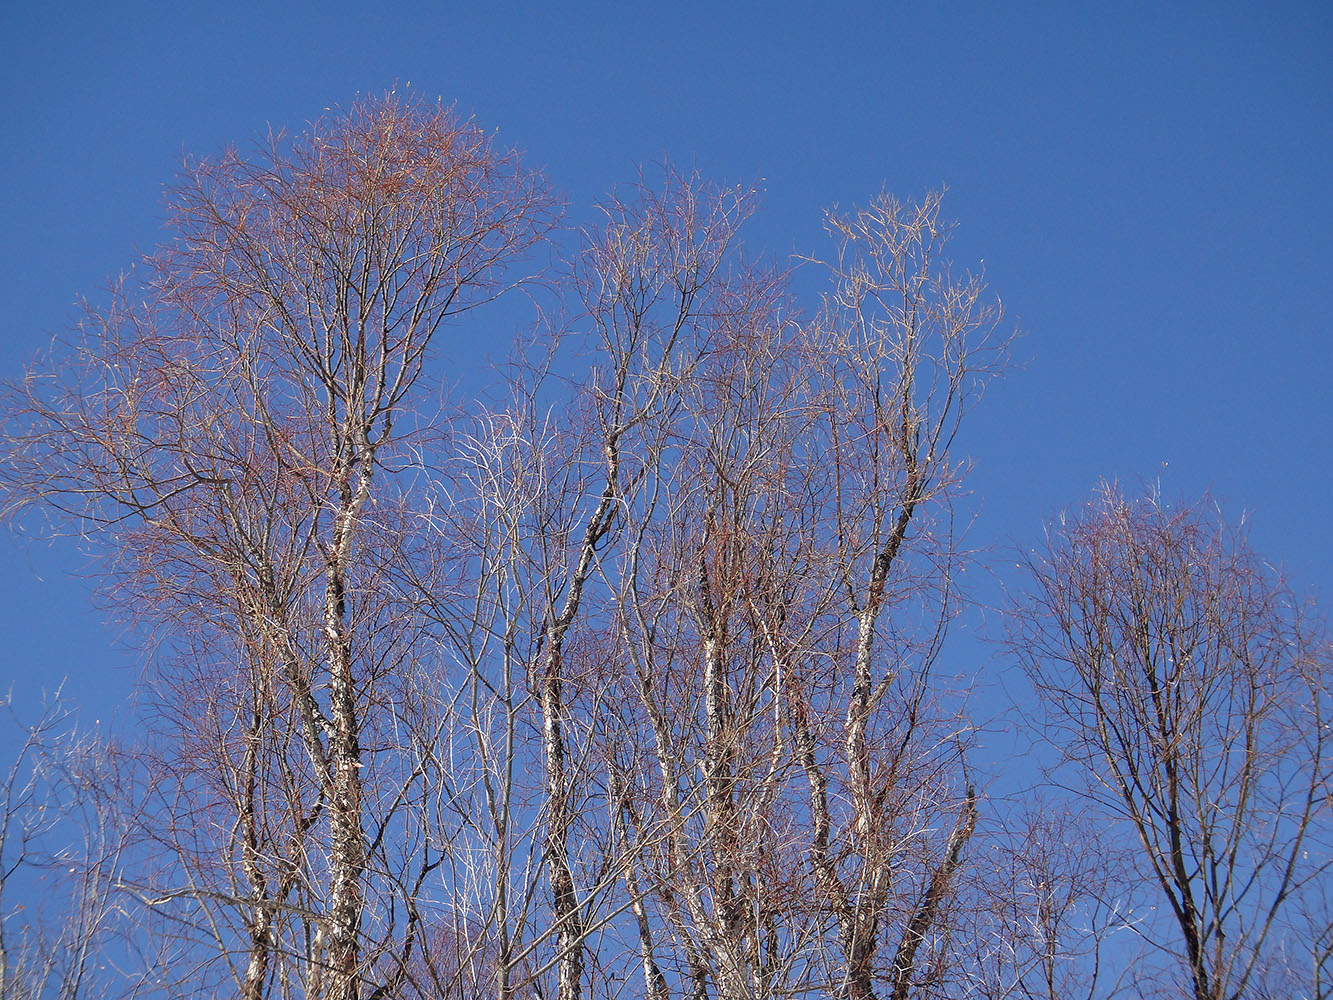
[237, 424]
[669, 563]
[650, 288]
[695, 750]
[796, 773]
[1190, 686]
[634, 671]
[62, 841]
[765, 551]
[1050, 908]
[909, 346]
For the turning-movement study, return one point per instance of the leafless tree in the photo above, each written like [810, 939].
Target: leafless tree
[61, 845]
[1191, 687]
[668, 557]
[237, 424]
[1050, 908]
[633, 671]
[796, 774]
[909, 346]
[559, 494]
[696, 755]
[751, 469]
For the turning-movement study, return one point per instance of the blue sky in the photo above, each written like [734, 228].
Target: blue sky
[1148, 185]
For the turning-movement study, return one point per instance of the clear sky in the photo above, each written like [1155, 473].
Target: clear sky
[1148, 184]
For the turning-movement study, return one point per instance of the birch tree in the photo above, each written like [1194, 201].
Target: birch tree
[1190, 687]
[629, 675]
[235, 427]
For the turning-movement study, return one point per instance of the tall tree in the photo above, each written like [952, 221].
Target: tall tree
[909, 346]
[238, 424]
[774, 629]
[1191, 687]
[633, 671]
